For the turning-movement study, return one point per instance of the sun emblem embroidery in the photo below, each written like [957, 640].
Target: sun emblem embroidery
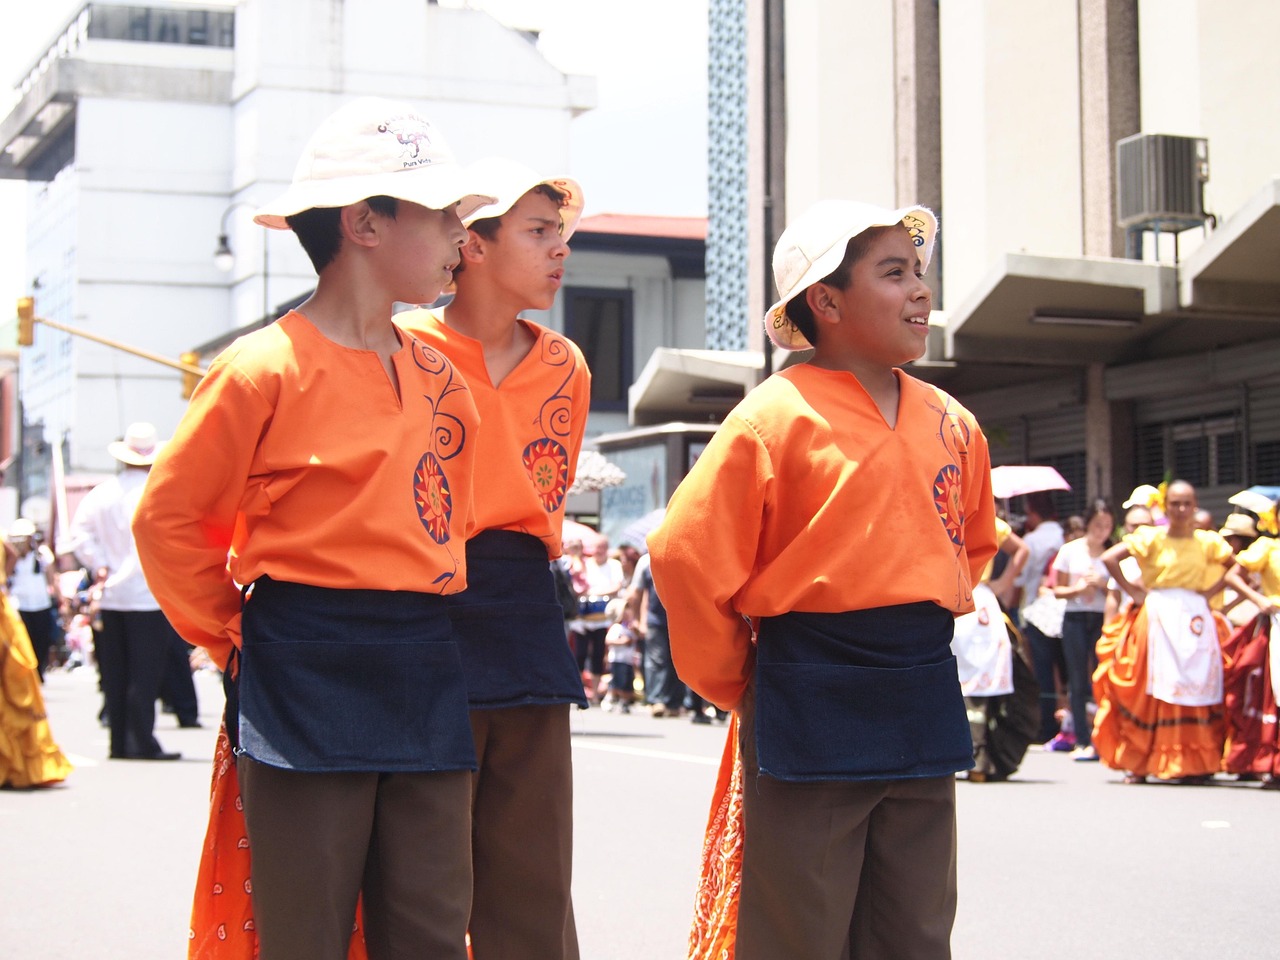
[432, 498]
[946, 500]
[548, 465]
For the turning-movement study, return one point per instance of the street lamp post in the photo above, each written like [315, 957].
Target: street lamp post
[224, 258]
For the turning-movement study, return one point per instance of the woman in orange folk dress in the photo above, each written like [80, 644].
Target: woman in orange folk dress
[1253, 674]
[1158, 685]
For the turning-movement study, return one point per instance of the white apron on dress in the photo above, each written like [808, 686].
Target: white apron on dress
[982, 649]
[1184, 659]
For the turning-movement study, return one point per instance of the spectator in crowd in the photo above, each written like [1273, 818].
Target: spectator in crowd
[33, 588]
[604, 581]
[135, 643]
[1080, 578]
[620, 644]
[663, 689]
[1043, 536]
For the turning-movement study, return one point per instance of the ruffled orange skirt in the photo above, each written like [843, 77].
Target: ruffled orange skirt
[1249, 702]
[1135, 732]
[29, 757]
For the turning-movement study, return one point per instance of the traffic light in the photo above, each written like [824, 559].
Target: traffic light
[189, 379]
[26, 321]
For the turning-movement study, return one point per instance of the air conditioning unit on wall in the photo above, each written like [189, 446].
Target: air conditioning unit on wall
[1160, 181]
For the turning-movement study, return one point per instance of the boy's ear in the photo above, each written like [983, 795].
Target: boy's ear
[820, 301]
[359, 224]
[473, 249]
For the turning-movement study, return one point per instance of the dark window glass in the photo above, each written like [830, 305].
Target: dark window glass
[599, 321]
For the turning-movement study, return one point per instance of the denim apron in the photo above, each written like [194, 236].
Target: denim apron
[350, 680]
[863, 695]
[509, 626]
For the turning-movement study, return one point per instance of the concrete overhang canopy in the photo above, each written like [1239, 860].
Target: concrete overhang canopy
[692, 384]
[1237, 268]
[1055, 310]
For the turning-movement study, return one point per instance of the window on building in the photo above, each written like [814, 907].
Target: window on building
[600, 322]
[1072, 468]
[143, 24]
[1266, 462]
[1205, 451]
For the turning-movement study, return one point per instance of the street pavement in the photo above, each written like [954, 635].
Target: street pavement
[1063, 861]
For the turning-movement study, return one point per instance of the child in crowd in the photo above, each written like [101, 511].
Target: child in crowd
[849, 512]
[330, 456]
[533, 390]
[620, 646]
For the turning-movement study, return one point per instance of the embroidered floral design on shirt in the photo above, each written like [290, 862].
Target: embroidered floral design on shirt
[432, 497]
[548, 464]
[946, 499]
[546, 459]
[948, 486]
[431, 488]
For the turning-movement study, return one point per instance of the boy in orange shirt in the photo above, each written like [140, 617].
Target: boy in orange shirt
[849, 509]
[330, 456]
[533, 391]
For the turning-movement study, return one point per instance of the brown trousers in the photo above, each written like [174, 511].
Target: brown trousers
[845, 870]
[318, 839]
[522, 835]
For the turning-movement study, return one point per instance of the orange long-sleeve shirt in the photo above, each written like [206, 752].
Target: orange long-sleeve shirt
[298, 458]
[531, 426]
[805, 500]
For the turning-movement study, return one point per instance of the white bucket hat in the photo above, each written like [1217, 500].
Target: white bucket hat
[139, 446]
[508, 181]
[1144, 495]
[375, 148]
[21, 528]
[813, 246]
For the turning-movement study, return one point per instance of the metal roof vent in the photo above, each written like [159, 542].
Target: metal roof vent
[1160, 184]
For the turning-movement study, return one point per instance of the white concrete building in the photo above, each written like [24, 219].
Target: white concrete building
[1117, 365]
[147, 130]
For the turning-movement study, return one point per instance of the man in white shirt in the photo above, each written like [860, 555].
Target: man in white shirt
[133, 645]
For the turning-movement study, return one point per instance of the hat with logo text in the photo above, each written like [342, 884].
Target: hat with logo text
[375, 148]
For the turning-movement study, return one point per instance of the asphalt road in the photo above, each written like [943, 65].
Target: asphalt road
[1062, 862]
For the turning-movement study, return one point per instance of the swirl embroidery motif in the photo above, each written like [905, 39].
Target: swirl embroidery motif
[546, 459]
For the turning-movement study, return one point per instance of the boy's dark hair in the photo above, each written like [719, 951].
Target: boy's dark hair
[798, 310]
[318, 231]
[487, 227]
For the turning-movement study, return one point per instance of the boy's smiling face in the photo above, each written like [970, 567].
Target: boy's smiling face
[882, 316]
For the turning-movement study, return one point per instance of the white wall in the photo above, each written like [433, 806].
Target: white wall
[839, 102]
[1010, 135]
